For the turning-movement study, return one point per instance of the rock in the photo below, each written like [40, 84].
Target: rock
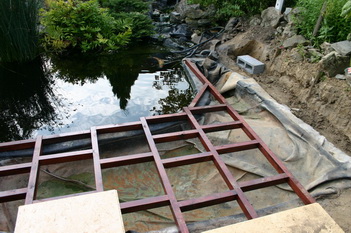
[294, 16]
[340, 77]
[296, 55]
[228, 81]
[349, 37]
[255, 20]
[181, 30]
[172, 44]
[334, 63]
[289, 31]
[230, 26]
[175, 18]
[164, 17]
[326, 48]
[270, 17]
[342, 47]
[294, 41]
[280, 30]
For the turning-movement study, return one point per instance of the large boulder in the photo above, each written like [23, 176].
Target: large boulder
[334, 63]
[294, 41]
[194, 15]
[342, 47]
[271, 17]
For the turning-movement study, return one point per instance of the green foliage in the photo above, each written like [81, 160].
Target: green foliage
[126, 5]
[235, 8]
[135, 11]
[334, 27]
[18, 30]
[346, 10]
[84, 26]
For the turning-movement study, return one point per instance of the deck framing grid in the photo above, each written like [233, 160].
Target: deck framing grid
[236, 190]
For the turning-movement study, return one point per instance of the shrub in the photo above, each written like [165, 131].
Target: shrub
[334, 27]
[135, 11]
[18, 30]
[84, 26]
[235, 8]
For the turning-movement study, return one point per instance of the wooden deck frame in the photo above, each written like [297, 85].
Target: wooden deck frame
[236, 190]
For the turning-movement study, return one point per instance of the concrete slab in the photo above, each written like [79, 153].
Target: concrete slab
[309, 218]
[97, 212]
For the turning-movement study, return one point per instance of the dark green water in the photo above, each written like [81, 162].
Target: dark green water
[54, 95]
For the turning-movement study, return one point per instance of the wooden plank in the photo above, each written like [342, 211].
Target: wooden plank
[34, 172]
[221, 126]
[263, 182]
[144, 204]
[96, 160]
[166, 118]
[13, 195]
[178, 217]
[210, 200]
[199, 96]
[17, 145]
[15, 169]
[64, 137]
[126, 160]
[130, 126]
[66, 157]
[187, 160]
[64, 196]
[181, 135]
[209, 108]
[239, 146]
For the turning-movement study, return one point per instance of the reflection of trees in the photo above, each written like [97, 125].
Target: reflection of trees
[121, 69]
[25, 99]
[174, 102]
[176, 99]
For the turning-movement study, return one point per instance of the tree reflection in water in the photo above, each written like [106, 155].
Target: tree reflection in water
[176, 99]
[121, 69]
[26, 99]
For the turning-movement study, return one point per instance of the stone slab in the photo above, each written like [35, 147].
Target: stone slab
[342, 47]
[97, 212]
[309, 218]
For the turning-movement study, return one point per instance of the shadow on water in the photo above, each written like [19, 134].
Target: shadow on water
[26, 99]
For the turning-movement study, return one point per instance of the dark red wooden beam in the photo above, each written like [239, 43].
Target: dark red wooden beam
[13, 195]
[144, 204]
[126, 160]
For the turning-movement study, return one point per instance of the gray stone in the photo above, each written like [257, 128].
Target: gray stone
[340, 77]
[294, 41]
[342, 47]
[334, 63]
[326, 47]
[270, 17]
[289, 31]
[195, 13]
[175, 18]
[172, 44]
[231, 24]
[255, 21]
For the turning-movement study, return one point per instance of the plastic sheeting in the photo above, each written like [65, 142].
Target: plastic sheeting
[317, 164]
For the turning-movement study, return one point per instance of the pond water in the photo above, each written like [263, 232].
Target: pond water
[55, 95]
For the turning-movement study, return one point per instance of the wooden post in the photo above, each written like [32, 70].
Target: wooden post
[320, 18]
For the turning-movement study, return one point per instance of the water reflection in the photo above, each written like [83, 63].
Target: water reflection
[75, 93]
[26, 99]
[177, 97]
